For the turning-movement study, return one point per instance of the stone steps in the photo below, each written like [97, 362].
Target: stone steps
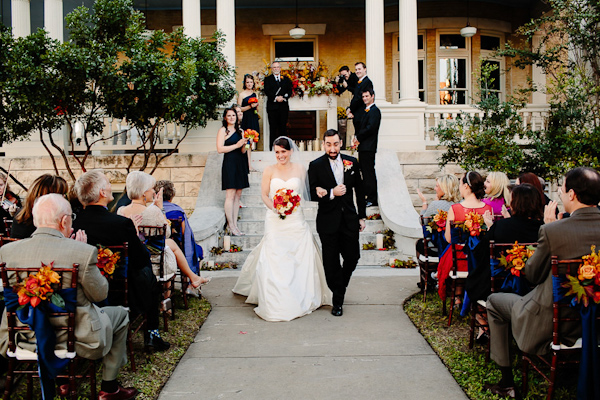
[256, 227]
[251, 239]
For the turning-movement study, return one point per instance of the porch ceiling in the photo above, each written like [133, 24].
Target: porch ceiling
[211, 4]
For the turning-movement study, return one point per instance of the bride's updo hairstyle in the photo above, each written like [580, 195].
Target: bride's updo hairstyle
[282, 142]
[475, 182]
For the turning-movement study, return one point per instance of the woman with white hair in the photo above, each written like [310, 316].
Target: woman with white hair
[140, 189]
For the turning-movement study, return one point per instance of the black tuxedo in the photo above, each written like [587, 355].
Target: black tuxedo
[338, 221]
[367, 137]
[352, 83]
[357, 105]
[108, 229]
[277, 111]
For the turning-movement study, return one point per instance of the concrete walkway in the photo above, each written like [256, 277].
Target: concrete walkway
[372, 352]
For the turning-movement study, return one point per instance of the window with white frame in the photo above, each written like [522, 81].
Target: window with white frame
[490, 43]
[421, 57]
[286, 49]
[453, 68]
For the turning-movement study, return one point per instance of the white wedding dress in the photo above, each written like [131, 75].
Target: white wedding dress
[284, 274]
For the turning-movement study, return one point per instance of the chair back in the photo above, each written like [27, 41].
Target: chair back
[154, 237]
[7, 226]
[496, 252]
[426, 236]
[459, 238]
[5, 240]
[118, 286]
[18, 275]
[177, 229]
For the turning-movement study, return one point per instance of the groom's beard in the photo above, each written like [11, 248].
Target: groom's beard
[333, 156]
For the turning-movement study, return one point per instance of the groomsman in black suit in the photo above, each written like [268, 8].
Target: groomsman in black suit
[356, 109]
[334, 179]
[278, 90]
[366, 142]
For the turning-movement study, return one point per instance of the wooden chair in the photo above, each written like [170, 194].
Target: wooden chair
[456, 278]
[7, 226]
[427, 264]
[24, 362]
[560, 354]
[5, 240]
[118, 294]
[479, 308]
[177, 234]
[155, 239]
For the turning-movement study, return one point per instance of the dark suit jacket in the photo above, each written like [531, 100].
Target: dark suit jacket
[352, 83]
[357, 105]
[332, 211]
[531, 317]
[369, 129]
[108, 229]
[271, 90]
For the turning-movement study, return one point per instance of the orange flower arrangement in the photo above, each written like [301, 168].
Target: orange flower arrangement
[285, 201]
[253, 100]
[107, 261]
[515, 258]
[586, 285]
[38, 287]
[251, 134]
[473, 224]
[438, 222]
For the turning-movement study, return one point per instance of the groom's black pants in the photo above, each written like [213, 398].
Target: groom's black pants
[344, 242]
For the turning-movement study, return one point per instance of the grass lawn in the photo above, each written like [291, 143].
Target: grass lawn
[153, 370]
[468, 366]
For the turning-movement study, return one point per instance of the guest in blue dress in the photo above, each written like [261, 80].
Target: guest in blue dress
[235, 166]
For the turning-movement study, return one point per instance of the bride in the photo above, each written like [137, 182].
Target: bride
[284, 273]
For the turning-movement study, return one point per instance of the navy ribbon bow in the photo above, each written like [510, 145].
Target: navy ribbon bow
[49, 366]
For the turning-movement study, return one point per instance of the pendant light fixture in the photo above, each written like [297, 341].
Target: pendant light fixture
[468, 30]
[297, 32]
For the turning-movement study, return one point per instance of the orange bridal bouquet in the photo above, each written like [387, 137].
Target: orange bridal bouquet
[253, 100]
[586, 285]
[107, 261]
[38, 287]
[285, 201]
[515, 258]
[252, 135]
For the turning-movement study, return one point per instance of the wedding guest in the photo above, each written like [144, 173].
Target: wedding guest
[192, 251]
[529, 317]
[366, 142]
[22, 226]
[472, 191]
[107, 229]
[234, 172]
[140, 189]
[10, 202]
[99, 332]
[497, 194]
[533, 179]
[356, 109]
[346, 80]
[522, 226]
[278, 90]
[447, 194]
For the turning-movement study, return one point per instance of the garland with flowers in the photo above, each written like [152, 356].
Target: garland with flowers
[515, 258]
[39, 287]
[585, 287]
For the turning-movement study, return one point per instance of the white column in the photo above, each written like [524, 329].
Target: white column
[190, 10]
[538, 76]
[375, 40]
[21, 18]
[409, 64]
[226, 24]
[53, 18]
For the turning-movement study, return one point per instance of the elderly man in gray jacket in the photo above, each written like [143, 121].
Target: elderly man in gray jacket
[529, 317]
[99, 332]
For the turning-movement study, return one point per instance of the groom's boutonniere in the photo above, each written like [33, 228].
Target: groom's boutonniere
[347, 165]
[367, 110]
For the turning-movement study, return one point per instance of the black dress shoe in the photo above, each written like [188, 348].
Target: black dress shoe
[337, 311]
[156, 343]
[502, 391]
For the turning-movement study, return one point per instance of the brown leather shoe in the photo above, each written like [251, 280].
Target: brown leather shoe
[121, 394]
[502, 391]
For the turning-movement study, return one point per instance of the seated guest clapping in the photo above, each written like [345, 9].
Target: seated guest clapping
[140, 189]
[99, 332]
[192, 251]
[104, 228]
[529, 317]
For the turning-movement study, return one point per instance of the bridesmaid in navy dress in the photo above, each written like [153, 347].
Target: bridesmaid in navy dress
[235, 166]
[250, 118]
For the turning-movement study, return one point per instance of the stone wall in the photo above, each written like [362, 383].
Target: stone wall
[185, 170]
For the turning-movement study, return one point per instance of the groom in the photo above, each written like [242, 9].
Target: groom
[334, 180]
